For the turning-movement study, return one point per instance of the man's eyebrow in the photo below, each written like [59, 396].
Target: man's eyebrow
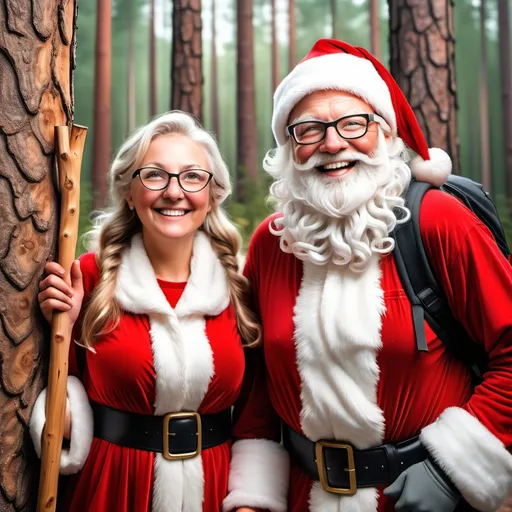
[305, 117]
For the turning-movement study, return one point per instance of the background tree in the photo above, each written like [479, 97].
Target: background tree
[213, 78]
[292, 52]
[187, 58]
[101, 137]
[333, 20]
[247, 141]
[152, 61]
[484, 107]
[505, 43]
[422, 62]
[37, 56]
[375, 29]
[275, 49]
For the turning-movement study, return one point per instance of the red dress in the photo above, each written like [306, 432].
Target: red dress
[339, 360]
[122, 375]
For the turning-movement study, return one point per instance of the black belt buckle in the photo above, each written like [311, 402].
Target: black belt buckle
[322, 470]
[167, 420]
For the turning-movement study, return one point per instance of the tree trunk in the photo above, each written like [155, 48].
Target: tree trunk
[275, 49]
[132, 106]
[375, 29]
[187, 57]
[152, 62]
[506, 90]
[333, 19]
[247, 144]
[102, 76]
[214, 83]
[37, 56]
[422, 62]
[484, 105]
[292, 46]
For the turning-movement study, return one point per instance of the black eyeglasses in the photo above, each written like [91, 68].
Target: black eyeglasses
[348, 127]
[191, 180]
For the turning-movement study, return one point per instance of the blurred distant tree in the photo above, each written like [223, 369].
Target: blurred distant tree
[213, 78]
[187, 57]
[422, 47]
[375, 29]
[247, 142]
[292, 52]
[275, 50]
[152, 61]
[333, 20]
[484, 104]
[37, 58]
[102, 77]
[505, 42]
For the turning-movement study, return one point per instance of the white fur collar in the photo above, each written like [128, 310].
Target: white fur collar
[206, 292]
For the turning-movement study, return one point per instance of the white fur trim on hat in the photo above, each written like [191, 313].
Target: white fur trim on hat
[72, 459]
[435, 170]
[258, 476]
[476, 461]
[338, 71]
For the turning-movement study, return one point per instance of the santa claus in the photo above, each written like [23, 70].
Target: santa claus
[369, 423]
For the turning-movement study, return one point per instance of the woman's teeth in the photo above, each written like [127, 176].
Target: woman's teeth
[173, 213]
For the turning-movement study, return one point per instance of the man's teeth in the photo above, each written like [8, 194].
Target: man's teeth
[173, 213]
[336, 165]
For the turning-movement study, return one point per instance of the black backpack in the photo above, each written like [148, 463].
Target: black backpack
[420, 285]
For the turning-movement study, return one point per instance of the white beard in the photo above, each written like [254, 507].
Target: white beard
[347, 220]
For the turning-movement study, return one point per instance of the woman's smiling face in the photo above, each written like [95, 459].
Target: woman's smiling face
[171, 213]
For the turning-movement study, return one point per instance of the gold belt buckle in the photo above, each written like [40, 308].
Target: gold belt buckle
[322, 471]
[166, 452]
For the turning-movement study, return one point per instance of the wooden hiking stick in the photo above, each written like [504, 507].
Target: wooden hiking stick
[69, 158]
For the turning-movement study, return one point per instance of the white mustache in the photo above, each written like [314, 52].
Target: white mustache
[318, 160]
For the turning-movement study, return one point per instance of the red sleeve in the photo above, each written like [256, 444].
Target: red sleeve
[477, 281]
[254, 415]
[90, 274]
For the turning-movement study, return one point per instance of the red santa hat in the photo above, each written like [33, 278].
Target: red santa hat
[332, 64]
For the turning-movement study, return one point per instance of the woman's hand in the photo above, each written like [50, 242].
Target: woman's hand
[57, 295]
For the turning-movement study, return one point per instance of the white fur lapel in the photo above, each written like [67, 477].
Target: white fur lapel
[182, 354]
[337, 336]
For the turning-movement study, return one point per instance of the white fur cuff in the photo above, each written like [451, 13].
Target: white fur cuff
[72, 459]
[258, 476]
[475, 459]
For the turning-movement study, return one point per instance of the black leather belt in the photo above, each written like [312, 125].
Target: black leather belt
[342, 469]
[180, 435]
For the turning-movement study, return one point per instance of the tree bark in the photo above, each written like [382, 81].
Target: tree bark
[102, 78]
[247, 144]
[484, 105]
[505, 43]
[422, 62]
[187, 57]
[375, 29]
[152, 62]
[214, 79]
[275, 48]
[292, 45]
[37, 56]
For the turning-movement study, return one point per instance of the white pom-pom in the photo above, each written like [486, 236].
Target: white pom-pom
[434, 171]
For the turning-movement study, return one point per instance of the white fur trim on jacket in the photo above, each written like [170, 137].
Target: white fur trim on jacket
[182, 354]
[476, 461]
[337, 338]
[73, 459]
[258, 476]
[338, 71]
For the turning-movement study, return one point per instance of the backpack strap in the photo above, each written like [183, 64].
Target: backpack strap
[426, 296]
[412, 264]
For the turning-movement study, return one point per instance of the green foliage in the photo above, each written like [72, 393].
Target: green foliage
[249, 214]
[506, 218]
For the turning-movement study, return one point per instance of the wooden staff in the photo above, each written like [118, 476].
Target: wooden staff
[69, 158]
